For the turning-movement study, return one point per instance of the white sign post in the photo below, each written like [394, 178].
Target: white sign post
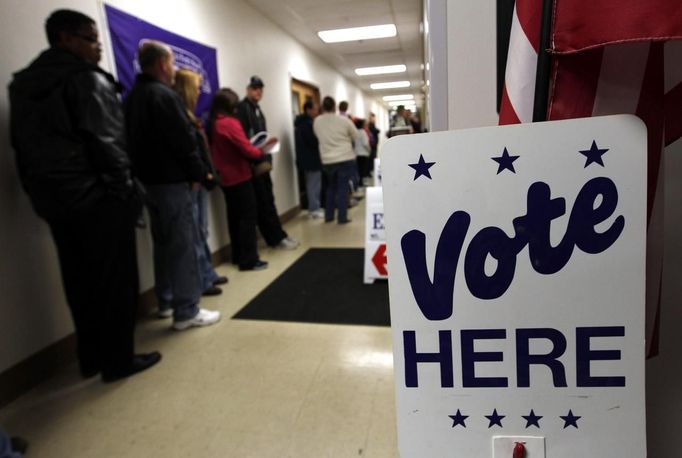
[517, 258]
[375, 236]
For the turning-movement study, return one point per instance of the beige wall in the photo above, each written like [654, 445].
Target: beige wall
[32, 309]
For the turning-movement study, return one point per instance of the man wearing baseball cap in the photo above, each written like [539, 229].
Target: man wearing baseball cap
[253, 121]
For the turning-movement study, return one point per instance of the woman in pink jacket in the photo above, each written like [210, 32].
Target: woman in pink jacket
[232, 155]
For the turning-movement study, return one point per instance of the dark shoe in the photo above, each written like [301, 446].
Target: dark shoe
[19, 445]
[212, 291]
[220, 281]
[346, 221]
[89, 372]
[329, 220]
[259, 265]
[140, 363]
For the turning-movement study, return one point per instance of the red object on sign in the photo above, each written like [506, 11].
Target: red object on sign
[379, 260]
[519, 450]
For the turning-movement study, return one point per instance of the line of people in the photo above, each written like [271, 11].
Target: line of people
[339, 146]
[89, 163]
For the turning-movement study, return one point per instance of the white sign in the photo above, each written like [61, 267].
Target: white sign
[516, 256]
[375, 236]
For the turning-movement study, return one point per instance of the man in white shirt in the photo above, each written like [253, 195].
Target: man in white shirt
[335, 135]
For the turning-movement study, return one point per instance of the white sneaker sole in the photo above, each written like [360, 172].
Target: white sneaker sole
[182, 325]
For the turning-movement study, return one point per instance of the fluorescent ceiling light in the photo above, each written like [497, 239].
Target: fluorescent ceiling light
[388, 98]
[391, 85]
[380, 70]
[358, 33]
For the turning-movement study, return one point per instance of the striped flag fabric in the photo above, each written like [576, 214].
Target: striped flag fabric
[608, 57]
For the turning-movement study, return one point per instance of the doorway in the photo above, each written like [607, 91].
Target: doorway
[302, 92]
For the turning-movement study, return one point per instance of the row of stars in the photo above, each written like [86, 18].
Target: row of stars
[532, 419]
[506, 162]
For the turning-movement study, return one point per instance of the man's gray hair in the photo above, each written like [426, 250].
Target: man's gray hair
[150, 52]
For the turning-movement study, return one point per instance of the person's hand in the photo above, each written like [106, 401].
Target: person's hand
[209, 176]
[271, 141]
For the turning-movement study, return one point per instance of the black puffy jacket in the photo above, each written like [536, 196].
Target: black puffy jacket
[68, 133]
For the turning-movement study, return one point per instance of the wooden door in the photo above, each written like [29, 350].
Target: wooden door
[302, 92]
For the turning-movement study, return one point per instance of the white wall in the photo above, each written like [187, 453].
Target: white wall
[471, 103]
[32, 300]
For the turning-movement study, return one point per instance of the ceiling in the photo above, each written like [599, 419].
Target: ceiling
[304, 18]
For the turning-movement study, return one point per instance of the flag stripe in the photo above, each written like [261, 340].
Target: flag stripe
[576, 78]
[620, 79]
[520, 73]
[580, 25]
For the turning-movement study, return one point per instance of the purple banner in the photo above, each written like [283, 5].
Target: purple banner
[128, 32]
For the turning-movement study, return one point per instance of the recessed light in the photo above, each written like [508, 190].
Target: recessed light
[358, 33]
[391, 85]
[399, 97]
[380, 70]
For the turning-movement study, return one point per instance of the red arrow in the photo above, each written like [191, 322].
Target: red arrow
[379, 260]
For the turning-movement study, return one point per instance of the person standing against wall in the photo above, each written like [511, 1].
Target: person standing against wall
[308, 157]
[67, 130]
[188, 86]
[253, 121]
[165, 156]
[232, 155]
[336, 135]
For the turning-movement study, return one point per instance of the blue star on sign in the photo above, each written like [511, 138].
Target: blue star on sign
[532, 419]
[594, 154]
[506, 162]
[458, 419]
[495, 419]
[422, 168]
[570, 419]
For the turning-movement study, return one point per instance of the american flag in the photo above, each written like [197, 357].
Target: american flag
[608, 57]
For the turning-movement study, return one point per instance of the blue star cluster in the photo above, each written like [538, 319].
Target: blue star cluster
[495, 419]
[506, 161]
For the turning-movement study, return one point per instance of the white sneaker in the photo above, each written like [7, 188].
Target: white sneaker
[203, 318]
[287, 244]
[317, 214]
[164, 313]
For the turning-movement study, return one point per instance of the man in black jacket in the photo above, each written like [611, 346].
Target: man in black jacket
[308, 157]
[253, 121]
[67, 130]
[165, 156]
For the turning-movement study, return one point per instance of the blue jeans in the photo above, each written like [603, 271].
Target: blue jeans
[313, 186]
[176, 235]
[6, 447]
[208, 274]
[338, 175]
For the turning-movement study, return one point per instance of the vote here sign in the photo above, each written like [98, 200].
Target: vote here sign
[517, 260]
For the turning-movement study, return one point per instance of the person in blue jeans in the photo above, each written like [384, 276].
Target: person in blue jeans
[165, 156]
[335, 135]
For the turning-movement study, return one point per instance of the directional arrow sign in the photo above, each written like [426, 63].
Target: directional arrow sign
[379, 259]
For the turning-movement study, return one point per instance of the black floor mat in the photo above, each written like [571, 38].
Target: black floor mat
[322, 286]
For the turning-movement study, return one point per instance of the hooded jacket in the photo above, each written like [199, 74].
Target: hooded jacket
[67, 130]
[307, 147]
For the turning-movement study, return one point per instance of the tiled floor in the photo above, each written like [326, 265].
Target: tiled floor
[236, 389]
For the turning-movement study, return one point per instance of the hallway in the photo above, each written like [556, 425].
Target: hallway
[237, 389]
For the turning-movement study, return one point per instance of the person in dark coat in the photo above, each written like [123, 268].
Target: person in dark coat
[67, 130]
[165, 155]
[308, 157]
[253, 121]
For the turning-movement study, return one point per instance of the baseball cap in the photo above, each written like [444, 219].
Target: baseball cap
[256, 82]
